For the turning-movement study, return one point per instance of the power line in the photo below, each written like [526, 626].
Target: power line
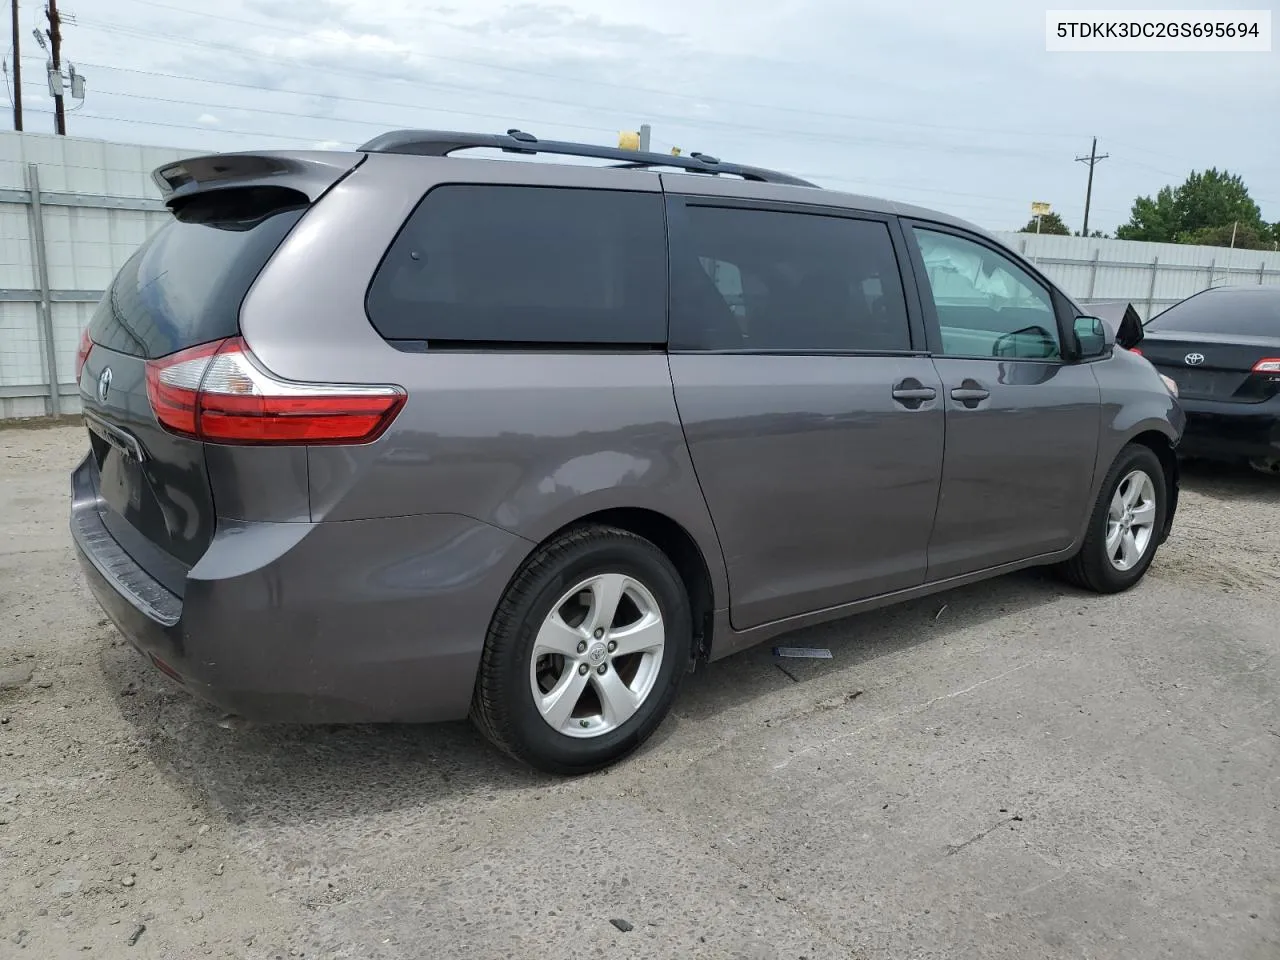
[380, 124]
[348, 72]
[692, 124]
[821, 177]
[862, 183]
[204, 129]
[578, 81]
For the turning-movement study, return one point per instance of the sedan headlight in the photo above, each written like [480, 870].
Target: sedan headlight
[1168, 382]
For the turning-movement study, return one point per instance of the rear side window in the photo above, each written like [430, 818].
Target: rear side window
[764, 280]
[185, 284]
[1241, 313]
[512, 264]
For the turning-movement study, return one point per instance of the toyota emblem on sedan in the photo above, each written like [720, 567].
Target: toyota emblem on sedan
[1194, 359]
[104, 384]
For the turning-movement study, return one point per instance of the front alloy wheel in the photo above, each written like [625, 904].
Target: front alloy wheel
[1131, 520]
[1125, 525]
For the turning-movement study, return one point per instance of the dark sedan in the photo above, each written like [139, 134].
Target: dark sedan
[1222, 348]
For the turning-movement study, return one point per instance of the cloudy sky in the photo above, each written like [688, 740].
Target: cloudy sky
[955, 106]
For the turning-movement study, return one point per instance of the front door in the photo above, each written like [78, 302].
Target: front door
[1022, 424]
[815, 426]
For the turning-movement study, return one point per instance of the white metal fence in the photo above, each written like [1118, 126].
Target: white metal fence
[1151, 276]
[71, 212]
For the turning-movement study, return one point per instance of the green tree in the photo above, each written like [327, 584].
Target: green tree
[1204, 202]
[1247, 236]
[1152, 220]
[1049, 223]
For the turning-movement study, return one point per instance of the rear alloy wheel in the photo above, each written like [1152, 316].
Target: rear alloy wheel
[597, 656]
[1124, 529]
[1270, 466]
[585, 652]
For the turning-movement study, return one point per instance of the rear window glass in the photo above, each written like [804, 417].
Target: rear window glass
[767, 280]
[1244, 313]
[185, 284]
[526, 265]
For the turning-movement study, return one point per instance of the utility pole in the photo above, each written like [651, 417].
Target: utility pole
[55, 71]
[17, 70]
[1092, 159]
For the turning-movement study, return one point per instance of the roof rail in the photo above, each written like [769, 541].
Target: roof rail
[441, 143]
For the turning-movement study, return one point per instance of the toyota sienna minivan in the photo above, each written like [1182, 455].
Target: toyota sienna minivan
[406, 435]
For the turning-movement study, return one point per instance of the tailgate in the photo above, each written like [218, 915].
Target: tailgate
[182, 288]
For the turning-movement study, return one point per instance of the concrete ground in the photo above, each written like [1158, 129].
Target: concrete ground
[1014, 770]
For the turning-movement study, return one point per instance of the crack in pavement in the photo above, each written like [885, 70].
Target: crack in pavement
[915, 708]
[954, 848]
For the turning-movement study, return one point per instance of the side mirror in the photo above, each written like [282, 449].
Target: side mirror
[1130, 333]
[1093, 337]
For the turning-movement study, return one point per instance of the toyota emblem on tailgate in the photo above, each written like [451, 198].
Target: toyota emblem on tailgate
[104, 384]
[1194, 359]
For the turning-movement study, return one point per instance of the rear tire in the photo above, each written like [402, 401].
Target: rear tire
[1124, 529]
[585, 652]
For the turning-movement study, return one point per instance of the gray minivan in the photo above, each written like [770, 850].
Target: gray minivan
[402, 435]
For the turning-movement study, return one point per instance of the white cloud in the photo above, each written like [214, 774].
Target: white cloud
[951, 106]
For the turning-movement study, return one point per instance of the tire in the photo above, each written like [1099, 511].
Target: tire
[1092, 568]
[591, 563]
[1267, 466]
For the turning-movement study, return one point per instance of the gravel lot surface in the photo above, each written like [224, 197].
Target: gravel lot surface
[1013, 770]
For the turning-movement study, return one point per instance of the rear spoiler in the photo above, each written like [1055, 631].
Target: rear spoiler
[310, 173]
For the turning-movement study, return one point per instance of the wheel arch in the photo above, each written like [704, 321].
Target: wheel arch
[680, 546]
[1162, 446]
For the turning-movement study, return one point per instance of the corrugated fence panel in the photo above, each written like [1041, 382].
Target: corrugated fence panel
[17, 263]
[1152, 276]
[21, 360]
[87, 189]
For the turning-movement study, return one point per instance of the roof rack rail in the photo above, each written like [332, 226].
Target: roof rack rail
[441, 143]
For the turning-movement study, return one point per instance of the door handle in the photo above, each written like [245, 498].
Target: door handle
[911, 393]
[970, 395]
[914, 393]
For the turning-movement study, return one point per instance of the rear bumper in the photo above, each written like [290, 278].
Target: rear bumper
[1231, 431]
[346, 622]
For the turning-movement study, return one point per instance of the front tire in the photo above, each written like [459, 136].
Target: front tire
[1124, 529]
[585, 652]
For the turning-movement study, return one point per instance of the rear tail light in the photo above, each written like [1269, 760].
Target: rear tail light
[1267, 365]
[82, 352]
[219, 393]
[1135, 350]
